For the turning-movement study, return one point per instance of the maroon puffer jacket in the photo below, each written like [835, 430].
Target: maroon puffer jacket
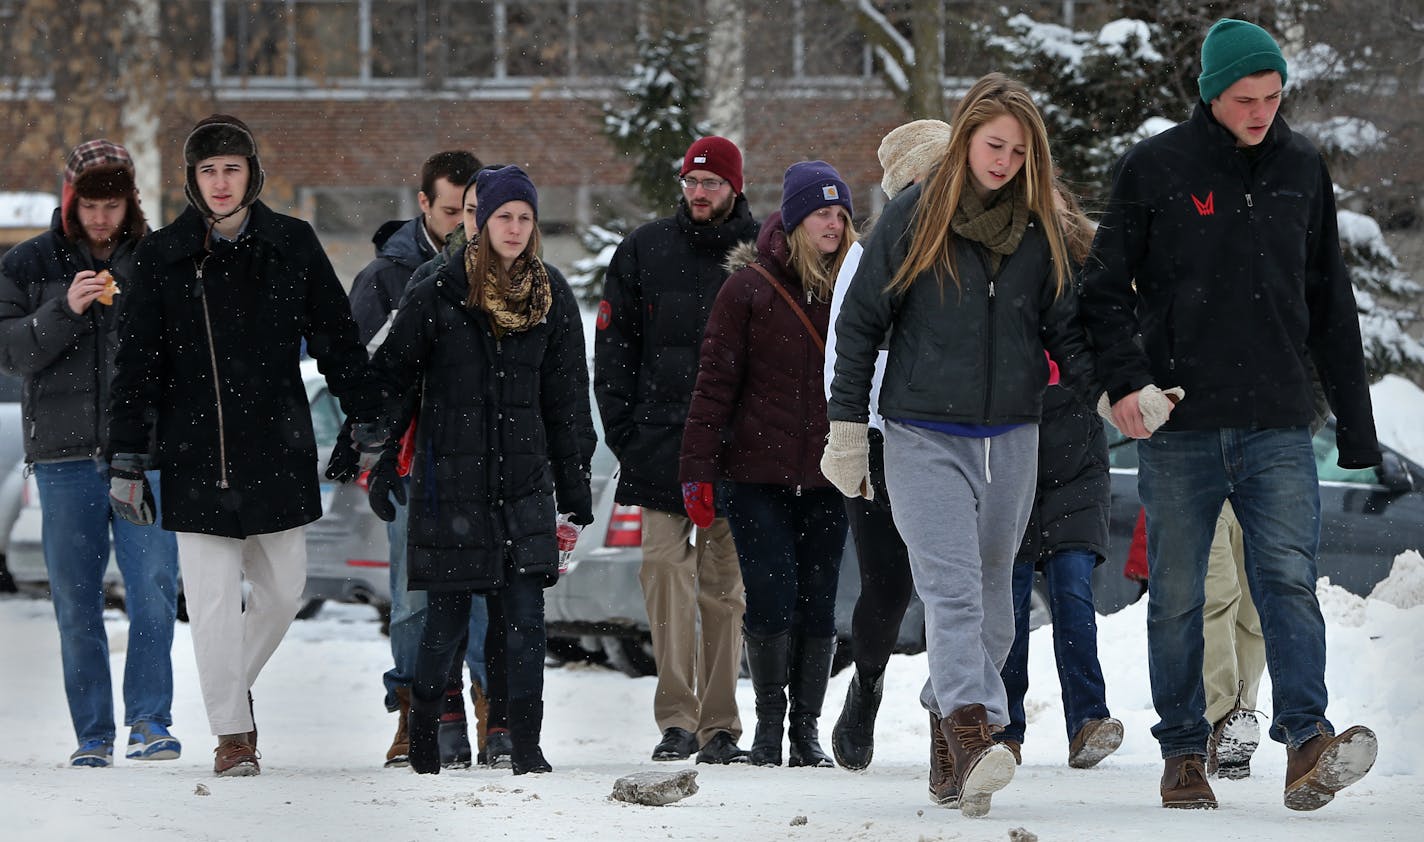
[758, 411]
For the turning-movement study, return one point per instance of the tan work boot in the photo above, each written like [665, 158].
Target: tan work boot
[1324, 765]
[1095, 740]
[399, 752]
[480, 702]
[944, 790]
[1184, 785]
[1232, 742]
[982, 767]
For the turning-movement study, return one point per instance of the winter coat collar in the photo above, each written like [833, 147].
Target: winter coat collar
[772, 252]
[718, 237]
[1221, 139]
[403, 242]
[187, 234]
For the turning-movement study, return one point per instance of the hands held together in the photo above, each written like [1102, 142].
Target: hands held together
[1139, 414]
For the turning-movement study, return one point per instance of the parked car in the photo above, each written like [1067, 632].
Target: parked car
[347, 551]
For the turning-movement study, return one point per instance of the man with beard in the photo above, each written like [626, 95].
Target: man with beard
[61, 299]
[658, 293]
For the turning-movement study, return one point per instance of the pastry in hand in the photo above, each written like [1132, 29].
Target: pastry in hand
[111, 289]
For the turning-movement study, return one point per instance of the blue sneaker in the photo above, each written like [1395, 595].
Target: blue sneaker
[97, 754]
[151, 741]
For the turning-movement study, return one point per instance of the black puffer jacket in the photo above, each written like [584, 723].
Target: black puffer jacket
[1221, 273]
[504, 428]
[65, 358]
[972, 355]
[657, 296]
[401, 246]
[238, 456]
[1070, 508]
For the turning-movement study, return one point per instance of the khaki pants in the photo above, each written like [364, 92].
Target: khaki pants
[1233, 652]
[695, 604]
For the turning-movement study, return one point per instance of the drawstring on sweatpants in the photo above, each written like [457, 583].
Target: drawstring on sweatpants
[988, 474]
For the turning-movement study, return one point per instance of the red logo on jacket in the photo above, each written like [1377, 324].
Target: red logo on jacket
[605, 314]
[1205, 208]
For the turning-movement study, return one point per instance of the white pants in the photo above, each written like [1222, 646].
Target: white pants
[232, 644]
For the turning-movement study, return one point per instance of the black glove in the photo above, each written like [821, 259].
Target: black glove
[369, 436]
[384, 483]
[343, 465]
[129, 494]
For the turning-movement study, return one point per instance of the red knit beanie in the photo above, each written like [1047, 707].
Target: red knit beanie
[717, 155]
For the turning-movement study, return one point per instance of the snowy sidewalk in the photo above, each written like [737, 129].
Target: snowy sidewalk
[325, 732]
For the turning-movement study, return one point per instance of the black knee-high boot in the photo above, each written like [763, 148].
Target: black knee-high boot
[810, 671]
[768, 658]
[526, 720]
[424, 733]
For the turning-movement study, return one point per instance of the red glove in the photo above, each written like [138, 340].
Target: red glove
[697, 499]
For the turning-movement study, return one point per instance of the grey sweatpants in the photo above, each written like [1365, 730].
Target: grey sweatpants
[961, 505]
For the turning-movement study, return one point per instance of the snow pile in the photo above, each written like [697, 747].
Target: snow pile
[1404, 586]
[1345, 136]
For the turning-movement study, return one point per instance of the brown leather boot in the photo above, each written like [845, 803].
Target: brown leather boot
[1095, 740]
[982, 767]
[1184, 784]
[944, 790]
[399, 752]
[480, 702]
[235, 757]
[1324, 765]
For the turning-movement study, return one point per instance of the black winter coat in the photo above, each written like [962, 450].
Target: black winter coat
[238, 455]
[1071, 505]
[504, 428]
[758, 412]
[967, 355]
[401, 247]
[657, 296]
[1221, 272]
[65, 358]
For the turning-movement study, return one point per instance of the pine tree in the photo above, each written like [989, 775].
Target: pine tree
[658, 121]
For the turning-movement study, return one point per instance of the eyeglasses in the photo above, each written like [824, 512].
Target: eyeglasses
[711, 185]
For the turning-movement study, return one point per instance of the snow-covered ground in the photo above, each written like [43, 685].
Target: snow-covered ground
[324, 733]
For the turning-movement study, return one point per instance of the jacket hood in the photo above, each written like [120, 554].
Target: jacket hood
[771, 250]
[403, 242]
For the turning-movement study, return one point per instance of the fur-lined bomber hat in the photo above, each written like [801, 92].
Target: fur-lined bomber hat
[221, 134]
[99, 169]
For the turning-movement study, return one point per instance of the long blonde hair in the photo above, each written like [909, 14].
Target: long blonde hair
[932, 242]
[817, 270]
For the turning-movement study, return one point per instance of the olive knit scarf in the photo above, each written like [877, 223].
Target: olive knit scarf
[998, 228]
[524, 303]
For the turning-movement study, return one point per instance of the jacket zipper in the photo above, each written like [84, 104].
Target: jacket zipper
[217, 388]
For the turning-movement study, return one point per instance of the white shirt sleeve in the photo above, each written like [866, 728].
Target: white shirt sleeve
[843, 279]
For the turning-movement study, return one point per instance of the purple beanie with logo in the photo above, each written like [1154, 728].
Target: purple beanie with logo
[809, 186]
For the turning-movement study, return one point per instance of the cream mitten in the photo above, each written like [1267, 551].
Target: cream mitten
[846, 460]
[1154, 404]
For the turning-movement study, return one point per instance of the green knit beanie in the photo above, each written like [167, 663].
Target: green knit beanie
[1232, 50]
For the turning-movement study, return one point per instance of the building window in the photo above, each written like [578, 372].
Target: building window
[432, 42]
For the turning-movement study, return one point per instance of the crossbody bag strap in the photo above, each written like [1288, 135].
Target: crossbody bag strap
[795, 308]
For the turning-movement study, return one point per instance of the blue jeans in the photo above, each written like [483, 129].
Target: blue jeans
[789, 546]
[74, 504]
[1269, 477]
[408, 612]
[1075, 642]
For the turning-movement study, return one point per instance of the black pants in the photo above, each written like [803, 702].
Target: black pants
[515, 644]
[885, 583]
[789, 546]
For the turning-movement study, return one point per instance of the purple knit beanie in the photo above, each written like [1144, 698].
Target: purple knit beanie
[809, 186]
[494, 188]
